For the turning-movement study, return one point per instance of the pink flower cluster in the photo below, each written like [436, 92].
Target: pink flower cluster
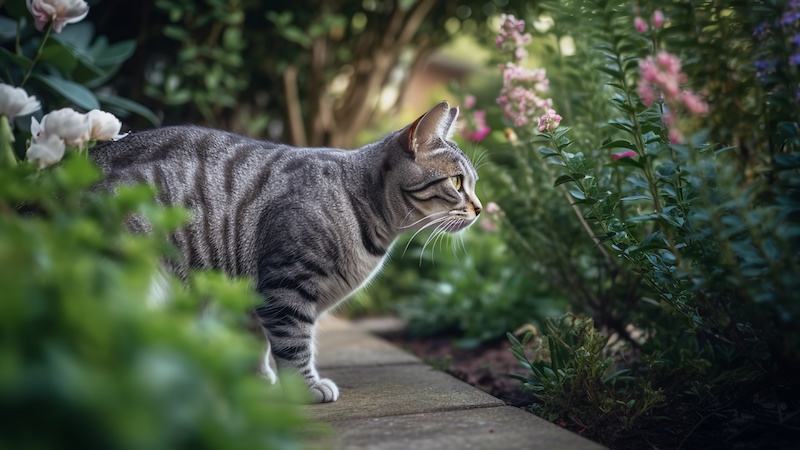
[512, 36]
[522, 94]
[479, 128]
[641, 25]
[661, 80]
[549, 121]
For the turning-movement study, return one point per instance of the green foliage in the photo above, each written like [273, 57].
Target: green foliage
[471, 291]
[691, 242]
[573, 378]
[73, 67]
[87, 360]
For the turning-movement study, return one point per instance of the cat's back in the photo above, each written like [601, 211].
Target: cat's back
[173, 144]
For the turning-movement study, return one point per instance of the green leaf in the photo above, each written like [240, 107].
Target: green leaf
[76, 35]
[73, 92]
[8, 57]
[635, 197]
[577, 194]
[563, 179]
[625, 162]
[124, 104]
[8, 29]
[116, 53]
[59, 56]
[619, 143]
[547, 152]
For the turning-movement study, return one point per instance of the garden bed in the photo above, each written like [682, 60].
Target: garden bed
[761, 417]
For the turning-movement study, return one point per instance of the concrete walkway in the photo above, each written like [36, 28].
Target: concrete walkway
[392, 400]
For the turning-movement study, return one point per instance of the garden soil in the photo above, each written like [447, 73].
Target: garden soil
[762, 417]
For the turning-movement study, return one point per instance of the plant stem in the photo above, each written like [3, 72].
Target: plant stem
[38, 54]
[7, 156]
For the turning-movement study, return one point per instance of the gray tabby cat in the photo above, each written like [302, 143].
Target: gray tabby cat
[311, 225]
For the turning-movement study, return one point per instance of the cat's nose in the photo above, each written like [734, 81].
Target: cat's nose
[477, 209]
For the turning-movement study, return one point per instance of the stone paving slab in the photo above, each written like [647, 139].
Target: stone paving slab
[391, 400]
[504, 427]
[349, 347]
[377, 391]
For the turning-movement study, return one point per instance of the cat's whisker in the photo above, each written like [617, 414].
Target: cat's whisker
[432, 223]
[403, 227]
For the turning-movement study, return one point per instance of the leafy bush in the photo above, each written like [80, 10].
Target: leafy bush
[661, 209]
[471, 291]
[87, 361]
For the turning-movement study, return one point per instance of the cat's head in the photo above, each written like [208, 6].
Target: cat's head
[436, 179]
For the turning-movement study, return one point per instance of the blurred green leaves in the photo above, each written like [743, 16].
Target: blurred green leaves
[89, 360]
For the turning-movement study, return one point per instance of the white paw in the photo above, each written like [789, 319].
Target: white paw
[323, 391]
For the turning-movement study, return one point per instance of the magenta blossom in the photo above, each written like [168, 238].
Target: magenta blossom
[639, 24]
[658, 19]
[549, 121]
[628, 154]
[481, 130]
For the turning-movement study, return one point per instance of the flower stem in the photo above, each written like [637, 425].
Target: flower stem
[38, 54]
[7, 156]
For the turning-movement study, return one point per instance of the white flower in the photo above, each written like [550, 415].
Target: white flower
[16, 102]
[71, 126]
[61, 12]
[48, 151]
[104, 126]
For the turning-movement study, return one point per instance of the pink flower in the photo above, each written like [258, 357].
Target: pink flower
[511, 36]
[675, 136]
[693, 103]
[522, 94]
[492, 208]
[628, 154]
[469, 101]
[658, 19]
[639, 24]
[481, 129]
[488, 226]
[549, 121]
[60, 12]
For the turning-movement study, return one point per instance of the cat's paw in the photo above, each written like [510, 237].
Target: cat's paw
[323, 391]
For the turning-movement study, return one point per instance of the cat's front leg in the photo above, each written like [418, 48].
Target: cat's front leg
[290, 332]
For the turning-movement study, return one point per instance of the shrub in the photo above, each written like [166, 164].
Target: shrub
[662, 202]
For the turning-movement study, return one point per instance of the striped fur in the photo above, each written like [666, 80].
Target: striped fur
[311, 225]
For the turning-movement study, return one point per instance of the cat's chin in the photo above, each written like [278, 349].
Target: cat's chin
[454, 226]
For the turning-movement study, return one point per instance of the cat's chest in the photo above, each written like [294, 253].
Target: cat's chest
[351, 276]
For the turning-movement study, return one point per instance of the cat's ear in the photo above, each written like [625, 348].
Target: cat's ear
[432, 129]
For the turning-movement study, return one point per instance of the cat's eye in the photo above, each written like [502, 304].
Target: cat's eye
[456, 180]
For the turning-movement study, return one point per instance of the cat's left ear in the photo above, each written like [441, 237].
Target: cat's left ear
[431, 130]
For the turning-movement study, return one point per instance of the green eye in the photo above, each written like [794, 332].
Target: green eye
[456, 180]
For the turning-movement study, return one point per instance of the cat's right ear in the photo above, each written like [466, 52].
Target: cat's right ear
[430, 130]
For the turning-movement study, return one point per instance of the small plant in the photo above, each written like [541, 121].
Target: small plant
[574, 379]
